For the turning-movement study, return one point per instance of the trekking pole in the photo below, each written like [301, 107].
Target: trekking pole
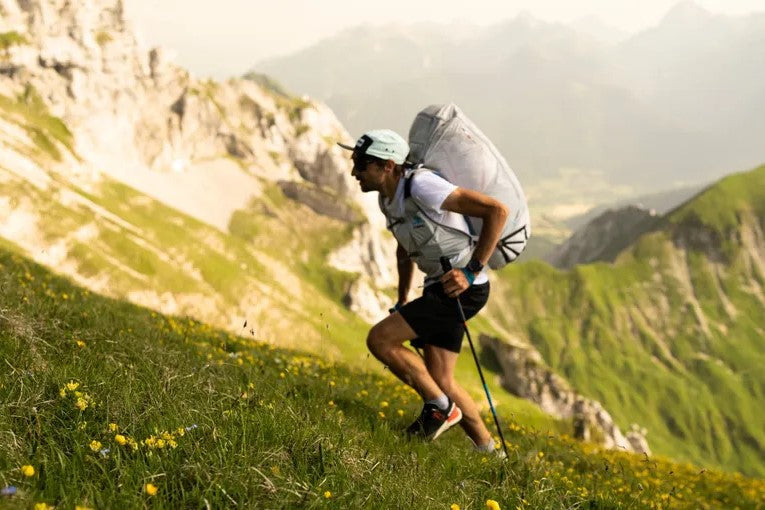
[447, 266]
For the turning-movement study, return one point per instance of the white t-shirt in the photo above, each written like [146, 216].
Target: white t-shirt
[430, 191]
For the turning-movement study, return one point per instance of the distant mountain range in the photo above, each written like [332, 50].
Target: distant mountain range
[680, 103]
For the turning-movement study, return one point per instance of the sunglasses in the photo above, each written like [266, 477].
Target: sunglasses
[361, 161]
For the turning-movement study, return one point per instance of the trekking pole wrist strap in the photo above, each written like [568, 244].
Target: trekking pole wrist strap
[468, 274]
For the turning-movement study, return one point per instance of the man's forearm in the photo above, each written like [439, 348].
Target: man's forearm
[405, 272]
[493, 213]
[493, 223]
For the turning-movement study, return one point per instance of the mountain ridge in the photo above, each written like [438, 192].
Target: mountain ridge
[669, 332]
[652, 111]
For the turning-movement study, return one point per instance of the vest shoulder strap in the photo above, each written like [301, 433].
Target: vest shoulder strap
[408, 179]
[408, 193]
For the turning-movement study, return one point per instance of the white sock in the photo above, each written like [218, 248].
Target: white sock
[442, 401]
[486, 448]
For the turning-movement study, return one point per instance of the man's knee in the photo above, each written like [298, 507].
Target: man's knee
[376, 341]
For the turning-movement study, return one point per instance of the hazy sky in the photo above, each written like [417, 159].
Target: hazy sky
[221, 38]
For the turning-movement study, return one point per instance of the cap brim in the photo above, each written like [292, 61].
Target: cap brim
[346, 147]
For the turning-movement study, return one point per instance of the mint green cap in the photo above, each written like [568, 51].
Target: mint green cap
[383, 144]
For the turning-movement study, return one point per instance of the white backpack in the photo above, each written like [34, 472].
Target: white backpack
[442, 138]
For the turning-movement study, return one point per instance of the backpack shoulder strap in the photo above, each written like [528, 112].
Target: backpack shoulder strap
[408, 186]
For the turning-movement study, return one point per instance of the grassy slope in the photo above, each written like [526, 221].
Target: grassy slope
[156, 249]
[261, 426]
[654, 349]
[48, 134]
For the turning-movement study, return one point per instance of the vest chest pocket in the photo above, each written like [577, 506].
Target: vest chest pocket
[415, 236]
[424, 238]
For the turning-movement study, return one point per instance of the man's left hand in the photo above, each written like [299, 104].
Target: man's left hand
[455, 282]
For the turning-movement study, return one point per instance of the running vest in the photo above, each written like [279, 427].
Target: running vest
[423, 238]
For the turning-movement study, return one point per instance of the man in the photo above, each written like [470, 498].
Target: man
[426, 214]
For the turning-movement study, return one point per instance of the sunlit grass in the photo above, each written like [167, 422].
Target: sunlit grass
[111, 405]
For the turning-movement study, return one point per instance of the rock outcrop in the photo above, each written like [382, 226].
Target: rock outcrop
[525, 374]
[203, 147]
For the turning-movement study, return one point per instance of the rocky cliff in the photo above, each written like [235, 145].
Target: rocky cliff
[114, 111]
[525, 374]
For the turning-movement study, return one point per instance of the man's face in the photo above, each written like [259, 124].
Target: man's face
[368, 172]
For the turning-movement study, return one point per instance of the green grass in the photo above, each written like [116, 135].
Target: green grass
[215, 420]
[305, 239]
[720, 206]
[45, 131]
[10, 39]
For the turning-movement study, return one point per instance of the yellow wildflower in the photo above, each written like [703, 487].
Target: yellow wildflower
[400, 412]
[80, 507]
[180, 431]
[327, 494]
[71, 385]
[383, 404]
[381, 415]
[150, 441]
[120, 439]
[62, 392]
[172, 443]
[150, 489]
[492, 505]
[161, 443]
[113, 427]
[81, 404]
[454, 506]
[95, 445]
[42, 506]
[80, 343]
[331, 403]
[27, 470]
[132, 444]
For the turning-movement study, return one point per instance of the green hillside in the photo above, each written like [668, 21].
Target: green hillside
[671, 335]
[268, 271]
[123, 243]
[108, 405]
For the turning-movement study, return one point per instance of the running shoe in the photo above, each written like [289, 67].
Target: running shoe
[434, 421]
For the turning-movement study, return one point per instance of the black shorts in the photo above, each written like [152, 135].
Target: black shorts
[435, 318]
